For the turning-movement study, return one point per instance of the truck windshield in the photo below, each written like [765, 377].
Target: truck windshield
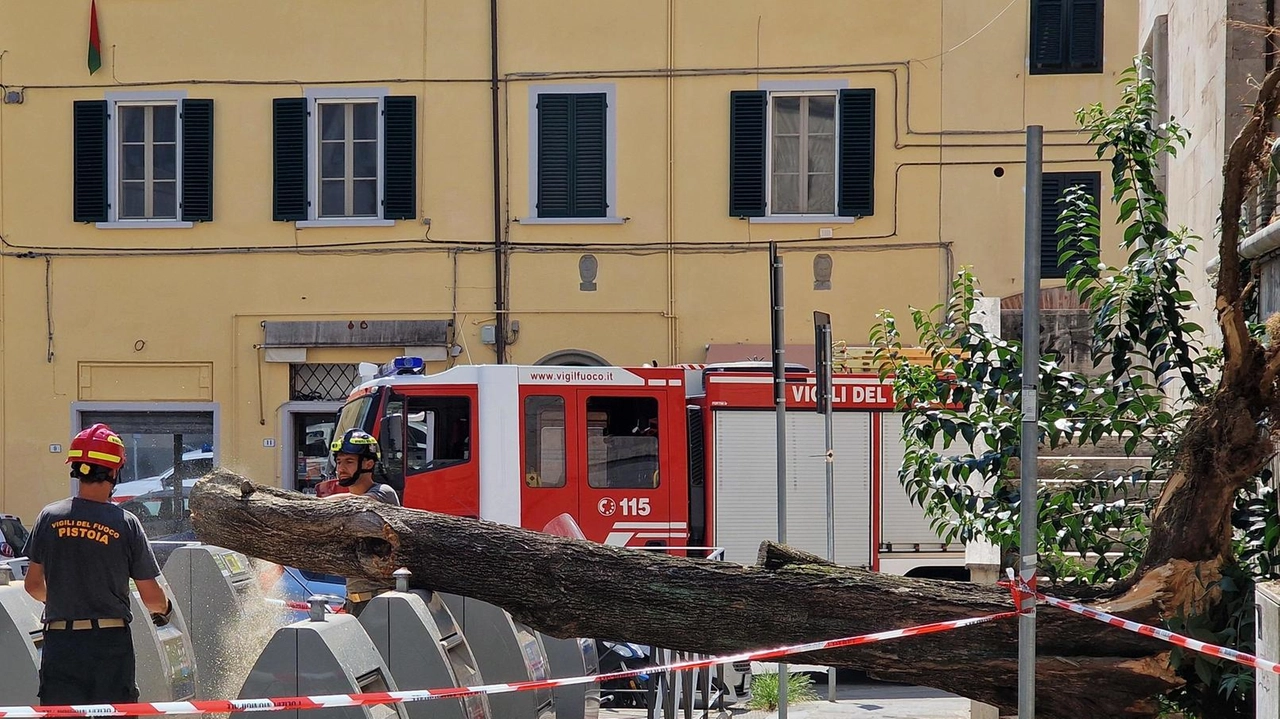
[354, 416]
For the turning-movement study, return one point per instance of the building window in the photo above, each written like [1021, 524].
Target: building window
[168, 446]
[572, 135]
[143, 159]
[147, 167]
[1066, 36]
[345, 157]
[1054, 186]
[348, 156]
[544, 441]
[802, 154]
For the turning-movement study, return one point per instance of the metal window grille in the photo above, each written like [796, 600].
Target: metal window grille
[322, 381]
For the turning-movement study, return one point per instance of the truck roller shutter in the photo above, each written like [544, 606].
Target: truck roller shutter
[746, 489]
[903, 524]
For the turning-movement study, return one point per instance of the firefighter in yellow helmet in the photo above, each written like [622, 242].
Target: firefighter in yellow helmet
[358, 465]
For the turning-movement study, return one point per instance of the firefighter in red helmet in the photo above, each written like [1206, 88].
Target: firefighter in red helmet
[83, 551]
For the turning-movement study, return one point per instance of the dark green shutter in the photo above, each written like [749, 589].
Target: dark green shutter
[89, 161]
[555, 155]
[573, 163]
[747, 146]
[1048, 29]
[197, 160]
[1084, 51]
[289, 124]
[1053, 187]
[400, 130]
[857, 196]
[590, 160]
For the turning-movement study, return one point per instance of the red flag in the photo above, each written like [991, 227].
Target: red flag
[95, 44]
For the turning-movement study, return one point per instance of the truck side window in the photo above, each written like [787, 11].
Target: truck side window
[437, 433]
[622, 442]
[391, 439]
[544, 441]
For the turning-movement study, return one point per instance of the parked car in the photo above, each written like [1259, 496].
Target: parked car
[194, 465]
[296, 586]
[157, 512]
[14, 535]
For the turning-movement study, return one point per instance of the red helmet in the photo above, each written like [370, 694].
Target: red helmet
[97, 445]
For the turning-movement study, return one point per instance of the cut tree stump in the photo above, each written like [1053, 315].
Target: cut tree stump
[572, 588]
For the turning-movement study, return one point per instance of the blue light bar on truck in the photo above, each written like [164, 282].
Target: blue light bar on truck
[402, 365]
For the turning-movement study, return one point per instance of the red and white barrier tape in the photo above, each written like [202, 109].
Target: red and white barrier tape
[223, 706]
[1174, 638]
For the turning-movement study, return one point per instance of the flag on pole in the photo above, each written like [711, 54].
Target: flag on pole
[95, 44]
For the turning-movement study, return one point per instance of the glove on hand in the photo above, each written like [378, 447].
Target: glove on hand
[161, 620]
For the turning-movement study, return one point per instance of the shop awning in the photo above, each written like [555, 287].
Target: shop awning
[356, 333]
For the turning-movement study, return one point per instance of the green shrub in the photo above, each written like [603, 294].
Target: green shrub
[764, 690]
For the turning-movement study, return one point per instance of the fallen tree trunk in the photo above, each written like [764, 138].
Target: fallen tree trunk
[571, 588]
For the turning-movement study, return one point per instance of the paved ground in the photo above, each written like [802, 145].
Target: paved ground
[853, 701]
[884, 701]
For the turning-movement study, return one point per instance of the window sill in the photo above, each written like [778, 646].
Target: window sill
[572, 220]
[144, 225]
[801, 220]
[1066, 70]
[353, 222]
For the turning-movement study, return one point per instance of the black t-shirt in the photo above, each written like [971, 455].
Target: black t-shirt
[89, 551]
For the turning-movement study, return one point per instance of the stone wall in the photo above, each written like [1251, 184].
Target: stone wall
[1208, 63]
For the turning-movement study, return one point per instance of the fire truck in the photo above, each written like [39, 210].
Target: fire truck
[679, 457]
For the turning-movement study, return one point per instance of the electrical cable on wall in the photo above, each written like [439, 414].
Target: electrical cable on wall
[48, 304]
[426, 244]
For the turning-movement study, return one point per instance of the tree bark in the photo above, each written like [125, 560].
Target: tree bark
[572, 588]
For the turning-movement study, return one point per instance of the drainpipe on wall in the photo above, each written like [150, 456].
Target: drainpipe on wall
[1262, 242]
[499, 245]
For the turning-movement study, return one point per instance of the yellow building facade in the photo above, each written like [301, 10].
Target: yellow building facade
[204, 236]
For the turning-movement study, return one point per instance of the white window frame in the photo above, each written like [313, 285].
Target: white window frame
[611, 154]
[316, 97]
[114, 101]
[799, 88]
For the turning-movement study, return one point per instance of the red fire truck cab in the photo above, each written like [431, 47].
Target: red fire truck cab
[650, 456]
